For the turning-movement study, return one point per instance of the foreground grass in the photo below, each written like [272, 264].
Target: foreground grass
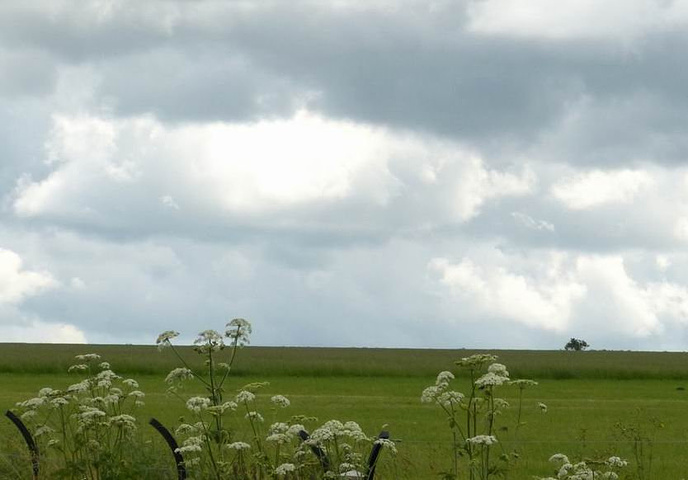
[580, 421]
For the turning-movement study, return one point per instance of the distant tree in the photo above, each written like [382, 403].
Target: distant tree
[576, 345]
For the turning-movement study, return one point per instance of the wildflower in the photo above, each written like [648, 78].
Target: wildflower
[294, 430]
[88, 357]
[28, 414]
[131, 383]
[124, 421]
[542, 407]
[221, 409]
[178, 375]
[239, 330]
[523, 383]
[238, 446]
[254, 416]
[498, 369]
[444, 378]
[280, 401]
[476, 361]
[185, 429]
[616, 462]
[104, 366]
[278, 427]
[491, 379]
[482, 440]
[278, 438]
[196, 404]
[447, 399]
[285, 468]
[191, 444]
[165, 337]
[559, 457]
[46, 392]
[137, 394]
[80, 387]
[209, 339]
[430, 394]
[245, 396]
[78, 368]
[32, 403]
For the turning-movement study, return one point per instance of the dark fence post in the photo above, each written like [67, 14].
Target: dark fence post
[374, 454]
[172, 443]
[319, 452]
[33, 448]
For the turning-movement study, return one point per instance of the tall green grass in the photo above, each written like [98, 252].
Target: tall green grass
[358, 362]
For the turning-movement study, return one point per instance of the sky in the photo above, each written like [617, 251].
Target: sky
[373, 173]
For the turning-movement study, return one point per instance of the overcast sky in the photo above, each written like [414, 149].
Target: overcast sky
[383, 173]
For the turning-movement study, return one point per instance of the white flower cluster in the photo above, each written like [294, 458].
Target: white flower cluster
[197, 404]
[482, 440]
[178, 375]
[280, 401]
[164, 338]
[334, 429]
[285, 468]
[582, 471]
[239, 330]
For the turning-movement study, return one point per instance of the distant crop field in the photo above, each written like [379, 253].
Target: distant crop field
[255, 361]
[590, 396]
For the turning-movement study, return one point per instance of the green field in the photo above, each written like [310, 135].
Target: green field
[587, 394]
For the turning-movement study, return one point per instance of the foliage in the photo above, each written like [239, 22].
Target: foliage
[213, 449]
[576, 345]
[472, 418]
[89, 427]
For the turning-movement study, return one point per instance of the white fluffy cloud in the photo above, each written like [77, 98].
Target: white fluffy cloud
[42, 332]
[587, 190]
[564, 293]
[268, 169]
[612, 19]
[17, 283]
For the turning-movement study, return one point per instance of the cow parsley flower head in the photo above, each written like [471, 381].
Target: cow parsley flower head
[196, 404]
[255, 416]
[80, 367]
[46, 392]
[476, 361]
[444, 378]
[131, 383]
[447, 399]
[523, 383]
[280, 401]
[430, 394]
[542, 407]
[164, 338]
[245, 396]
[88, 357]
[559, 458]
[491, 380]
[285, 468]
[616, 462]
[239, 330]
[238, 446]
[209, 340]
[498, 369]
[126, 422]
[178, 375]
[482, 440]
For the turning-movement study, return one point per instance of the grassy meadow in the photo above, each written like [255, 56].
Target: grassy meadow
[588, 394]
